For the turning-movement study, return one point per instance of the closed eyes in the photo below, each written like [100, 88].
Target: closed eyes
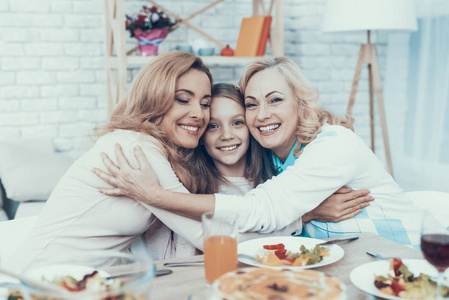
[182, 101]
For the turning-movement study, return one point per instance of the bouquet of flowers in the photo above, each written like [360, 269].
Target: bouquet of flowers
[149, 18]
[150, 27]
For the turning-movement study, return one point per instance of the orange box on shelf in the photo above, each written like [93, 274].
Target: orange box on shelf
[249, 36]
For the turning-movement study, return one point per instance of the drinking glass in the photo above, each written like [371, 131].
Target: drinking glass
[220, 243]
[435, 246]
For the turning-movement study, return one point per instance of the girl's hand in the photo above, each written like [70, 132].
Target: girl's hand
[140, 184]
[342, 205]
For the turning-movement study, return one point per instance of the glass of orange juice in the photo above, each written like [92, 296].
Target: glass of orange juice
[220, 243]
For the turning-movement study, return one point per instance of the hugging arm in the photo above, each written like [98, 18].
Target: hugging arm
[325, 165]
[344, 204]
[164, 179]
[142, 184]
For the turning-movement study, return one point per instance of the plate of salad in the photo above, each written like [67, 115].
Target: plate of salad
[397, 279]
[288, 252]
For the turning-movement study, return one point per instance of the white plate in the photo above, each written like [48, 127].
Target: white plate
[363, 276]
[292, 243]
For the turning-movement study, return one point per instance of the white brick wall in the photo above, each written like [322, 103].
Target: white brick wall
[51, 53]
[52, 79]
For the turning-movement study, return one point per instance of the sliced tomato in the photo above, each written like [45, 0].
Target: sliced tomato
[397, 287]
[280, 252]
[274, 247]
[397, 263]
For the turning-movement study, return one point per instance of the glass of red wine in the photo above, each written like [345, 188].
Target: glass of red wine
[435, 246]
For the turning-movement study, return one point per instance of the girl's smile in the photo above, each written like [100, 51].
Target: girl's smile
[226, 139]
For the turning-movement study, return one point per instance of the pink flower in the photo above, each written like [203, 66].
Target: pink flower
[154, 18]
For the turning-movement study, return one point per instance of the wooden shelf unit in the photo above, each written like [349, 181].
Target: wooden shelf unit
[118, 59]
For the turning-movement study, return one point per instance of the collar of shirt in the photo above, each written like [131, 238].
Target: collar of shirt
[290, 161]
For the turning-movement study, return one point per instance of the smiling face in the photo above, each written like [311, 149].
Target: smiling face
[187, 118]
[271, 111]
[226, 139]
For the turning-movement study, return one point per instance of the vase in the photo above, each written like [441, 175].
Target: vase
[149, 40]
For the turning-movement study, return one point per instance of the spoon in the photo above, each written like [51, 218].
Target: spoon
[33, 282]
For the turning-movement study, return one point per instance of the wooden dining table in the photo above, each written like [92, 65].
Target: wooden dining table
[188, 280]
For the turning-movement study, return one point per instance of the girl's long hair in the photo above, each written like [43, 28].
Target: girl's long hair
[258, 166]
[312, 115]
[149, 99]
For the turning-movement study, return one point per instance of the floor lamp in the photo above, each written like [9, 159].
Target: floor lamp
[367, 15]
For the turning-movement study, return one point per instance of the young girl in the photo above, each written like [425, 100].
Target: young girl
[233, 162]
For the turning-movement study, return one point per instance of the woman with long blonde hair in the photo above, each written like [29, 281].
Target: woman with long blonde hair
[314, 152]
[310, 114]
[146, 105]
[165, 114]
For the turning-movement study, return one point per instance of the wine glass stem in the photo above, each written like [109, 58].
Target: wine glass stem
[439, 283]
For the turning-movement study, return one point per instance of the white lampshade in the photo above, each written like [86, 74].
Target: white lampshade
[350, 15]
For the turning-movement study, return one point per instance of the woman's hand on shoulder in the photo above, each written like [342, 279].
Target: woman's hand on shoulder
[344, 204]
[140, 184]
